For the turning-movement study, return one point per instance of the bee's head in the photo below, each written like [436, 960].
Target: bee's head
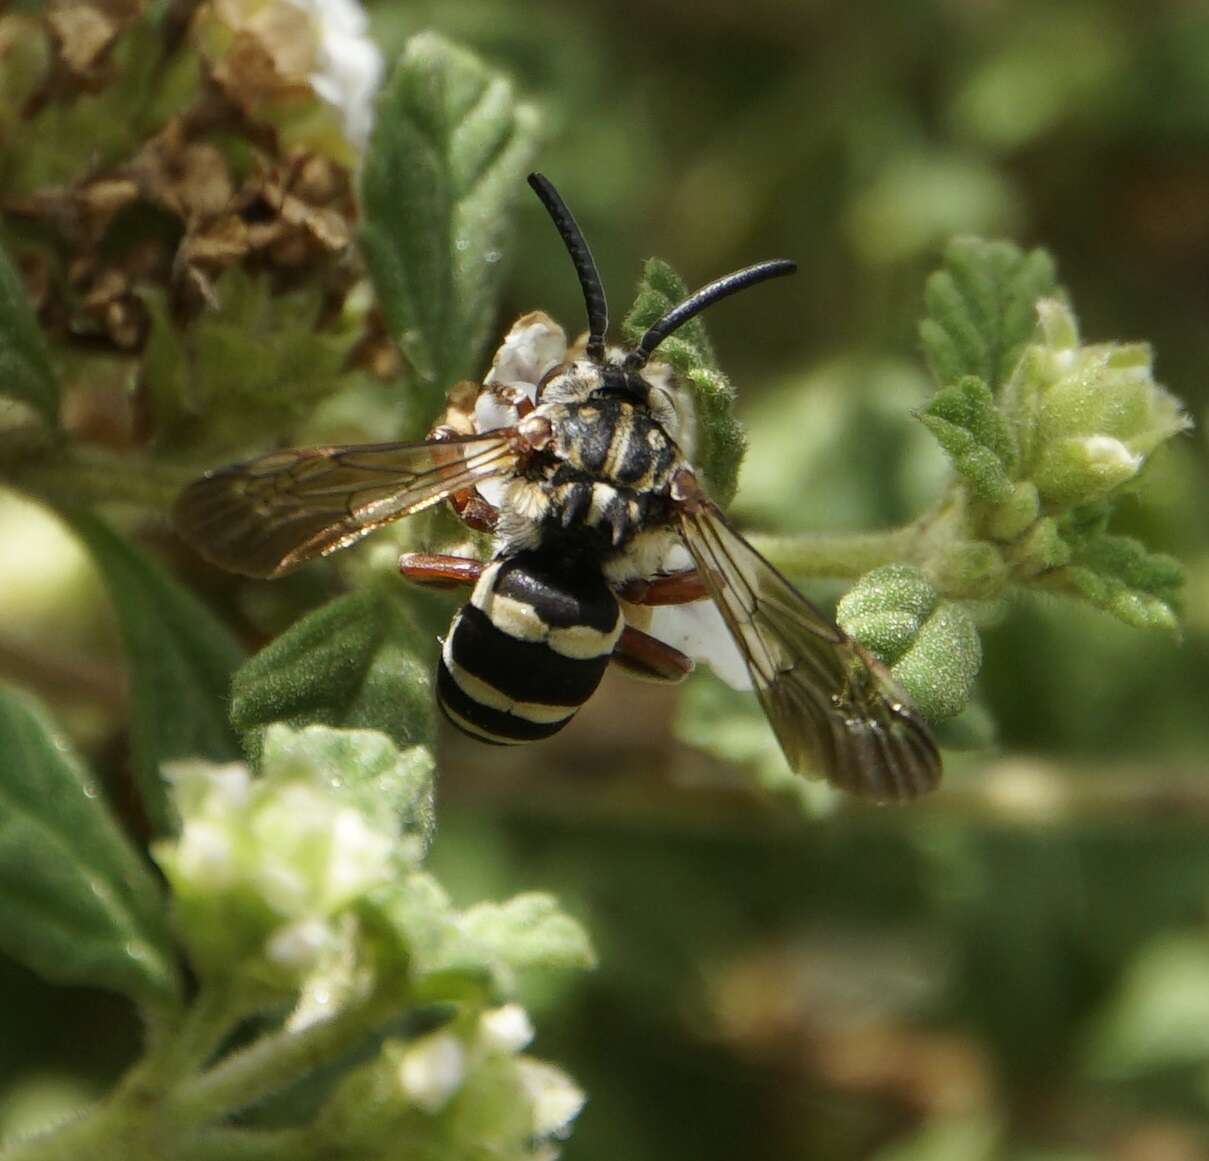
[624, 376]
[586, 377]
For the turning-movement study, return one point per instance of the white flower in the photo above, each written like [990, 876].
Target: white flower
[555, 1099]
[698, 630]
[505, 1029]
[1111, 454]
[432, 1070]
[347, 66]
[322, 43]
[299, 946]
[283, 854]
[534, 345]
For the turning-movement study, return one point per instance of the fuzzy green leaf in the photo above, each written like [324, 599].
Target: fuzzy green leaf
[1118, 574]
[445, 166]
[456, 954]
[982, 309]
[181, 661]
[359, 661]
[76, 903]
[25, 370]
[529, 930]
[721, 442]
[967, 424]
[366, 767]
[930, 645]
[659, 289]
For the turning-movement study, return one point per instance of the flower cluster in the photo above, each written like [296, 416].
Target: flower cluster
[263, 869]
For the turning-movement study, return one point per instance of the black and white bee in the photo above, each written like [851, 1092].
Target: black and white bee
[587, 484]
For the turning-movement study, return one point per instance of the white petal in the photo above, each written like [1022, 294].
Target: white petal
[432, 1070]
[556, 1099]
[698, 630]
[298, 946]
[1103, 451]
[491, 412]
[348, 64]
[533, 345]
[505, 1029]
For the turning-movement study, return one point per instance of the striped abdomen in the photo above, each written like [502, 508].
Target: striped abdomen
[528, 649]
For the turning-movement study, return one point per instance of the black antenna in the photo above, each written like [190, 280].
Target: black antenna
[585, 265]
[692, 306]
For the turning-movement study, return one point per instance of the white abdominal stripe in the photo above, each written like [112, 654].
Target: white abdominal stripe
[516, 665]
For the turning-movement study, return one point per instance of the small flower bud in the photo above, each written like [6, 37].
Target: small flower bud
[1092, 414]
[1022, 507]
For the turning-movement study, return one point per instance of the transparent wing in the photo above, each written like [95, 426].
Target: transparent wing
[835, 709]
[269, 515]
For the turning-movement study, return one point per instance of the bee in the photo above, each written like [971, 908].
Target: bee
[593, 490]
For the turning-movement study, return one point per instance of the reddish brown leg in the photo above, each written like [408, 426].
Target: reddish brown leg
[474, 511]
[467, 504]
[677, 588]
[438, 571]
[642, 655]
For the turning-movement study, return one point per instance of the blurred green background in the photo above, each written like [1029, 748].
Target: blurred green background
[1018, 968]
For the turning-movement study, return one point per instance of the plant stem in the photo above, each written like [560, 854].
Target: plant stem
[99, 1133]
[842, 555]
[273, 1063]
[248, 1145]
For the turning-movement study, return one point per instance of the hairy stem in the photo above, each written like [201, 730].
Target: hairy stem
[842, 555]
[274, 1062]
[249, 1145]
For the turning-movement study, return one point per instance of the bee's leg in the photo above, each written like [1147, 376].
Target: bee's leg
[474, 511]
[676, 588]
[467, 504]
[438, 571]
[646, 657]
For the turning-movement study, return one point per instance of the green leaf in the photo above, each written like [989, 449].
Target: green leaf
[262, 349]
[364, 766]
[659, 289]
[721, 442]
[967, 424]
[930, 645]
[359, 661]
[445, 166]
[529, 930]
[458, 954]
[181, 662]
[982, 309]
[76, 903]
[1119, 575]
[25, 371]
